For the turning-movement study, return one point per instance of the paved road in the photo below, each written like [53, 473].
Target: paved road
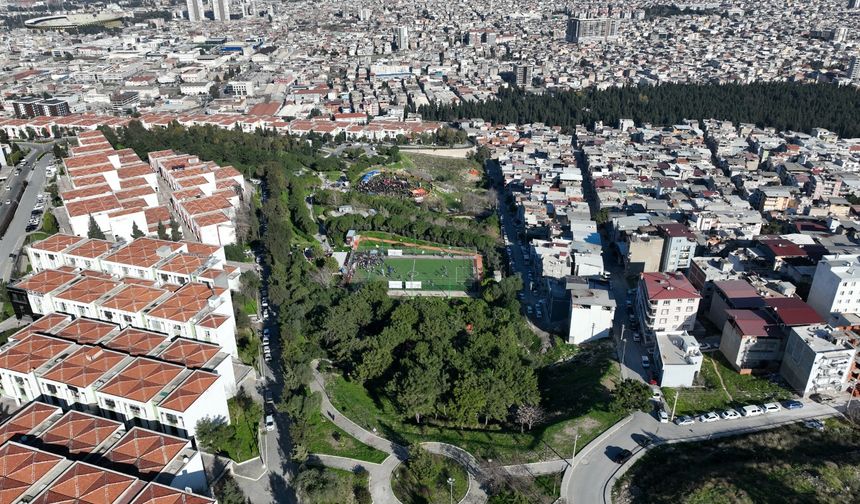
[13, 239]
[593, 472]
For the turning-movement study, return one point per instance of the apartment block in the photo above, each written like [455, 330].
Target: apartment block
[204, 195]
[140, 379]
[817, 360]
[836, 285]
[666, 303]
[678, 359]
[592, 311]
[679, 247]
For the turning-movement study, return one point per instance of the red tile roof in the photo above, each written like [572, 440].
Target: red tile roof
[32, 352]
[793, 311]
[190, 353]
[87, 331]
[27, 419]
[57, 242]
[20, 467]
[142, 380]
[133, 298]
[87, 290]
[668, 286]
[86, 484]
[160, 494]
[189, 391]
[148, 451]
[46, 281]
[185, 303]
[135, 341]
[84, 367]
[80, 433]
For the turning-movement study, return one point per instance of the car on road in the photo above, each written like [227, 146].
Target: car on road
[684, 420]
[730, 414]
[646, 362]
[771, 407]
[622, 456]
[793, 404]
[270, 423]
[8, 202]
[709, 417]
[704, 347]
[644, 441]
[662, 416]
[637, 337]
[751, 410]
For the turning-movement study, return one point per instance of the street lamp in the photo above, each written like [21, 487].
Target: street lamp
[451, 490]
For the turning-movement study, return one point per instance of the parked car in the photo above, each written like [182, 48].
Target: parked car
[662, 416]
[270, 423]
[814, 423]
[622, 456]
[793, 404]
[771, 407]
[730, 414]
[704, 347]
[709, 417]
[751, 410]
[656, 394]
[644, 441]
[646, 363]
[684, 420]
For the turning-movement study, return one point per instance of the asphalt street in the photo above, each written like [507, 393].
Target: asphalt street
[593, 472]
[13, 239]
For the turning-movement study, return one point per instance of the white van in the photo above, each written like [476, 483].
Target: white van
[751, 411]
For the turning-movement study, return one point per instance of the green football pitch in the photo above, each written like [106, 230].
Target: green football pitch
[434, 273]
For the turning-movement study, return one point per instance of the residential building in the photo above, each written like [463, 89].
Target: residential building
[401, 38]
[817, 361]
[596, 29]
[666, 303]
[221, 10]
[679, 247]
[678, 359]
[752, 340]
[836, 285]
[523, 74]
[195, 10]
[592, 311]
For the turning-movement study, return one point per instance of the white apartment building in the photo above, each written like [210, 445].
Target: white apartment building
[552, 258]
[678, 359]
[592, 311]
[836, 285]
[816, 360]
[666, 303]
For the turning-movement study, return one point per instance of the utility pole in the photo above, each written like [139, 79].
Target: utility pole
[674, 403]
[451, 490]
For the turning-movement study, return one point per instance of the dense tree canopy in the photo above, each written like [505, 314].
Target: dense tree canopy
[786, 106]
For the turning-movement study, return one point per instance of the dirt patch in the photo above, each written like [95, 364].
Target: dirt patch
[580, 426]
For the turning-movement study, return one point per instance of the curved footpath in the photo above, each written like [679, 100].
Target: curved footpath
[591, 477]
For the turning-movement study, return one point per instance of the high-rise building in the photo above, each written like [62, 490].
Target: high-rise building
[29, 107]
[401, 38]
[582, 29]
[854, 67]
[221, 10]
[195, 10]
[523, 74]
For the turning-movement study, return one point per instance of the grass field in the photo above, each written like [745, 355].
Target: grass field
[739, 389]
[792, 464]
[326, 438]
[434, 273]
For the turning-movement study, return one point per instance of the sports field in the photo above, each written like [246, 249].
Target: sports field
[434, 273]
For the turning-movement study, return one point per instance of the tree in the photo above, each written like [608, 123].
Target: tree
[529, 414]
[250, 282]
[227, 491]
[95, 231]
[161, 231]
[49, 224]
[630, 395]
[175, 233]
[213, 433]
[323, 487]
[135, 231]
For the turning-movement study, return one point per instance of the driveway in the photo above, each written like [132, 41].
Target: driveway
[593, 473]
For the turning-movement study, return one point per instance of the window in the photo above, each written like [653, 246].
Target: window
[108, 315]
[170, 418]
[662, 321]
[110, 404]
[135, 410]
[689, 308]
[51, 389]
[664, 312]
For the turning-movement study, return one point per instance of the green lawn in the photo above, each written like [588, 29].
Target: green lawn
[791, 464]
[709, 394]
[327, 438]
[575, 394]
[434, 273]
[247, 304]
[544, 489]
[412, 488]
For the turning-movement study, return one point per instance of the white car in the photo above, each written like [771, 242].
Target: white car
[684, 420]
[751, 410]
[709, 417]
[270, 423]
[771, 407]
[646, 363]
[730, 414]
[662, 416]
